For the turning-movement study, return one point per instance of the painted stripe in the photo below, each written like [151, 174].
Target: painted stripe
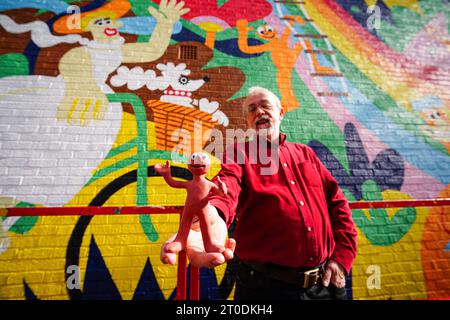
[93, 211]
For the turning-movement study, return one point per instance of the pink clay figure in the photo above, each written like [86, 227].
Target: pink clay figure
[196, 205]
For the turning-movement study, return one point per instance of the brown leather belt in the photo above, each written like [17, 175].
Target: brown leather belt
[304, 278]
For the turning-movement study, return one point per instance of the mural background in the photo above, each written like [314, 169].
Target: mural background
[94, 93]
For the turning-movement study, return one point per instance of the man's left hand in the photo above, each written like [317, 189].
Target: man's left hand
[335, 274]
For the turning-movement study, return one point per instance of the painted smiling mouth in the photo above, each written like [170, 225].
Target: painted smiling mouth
[110, 32]
[198, 165]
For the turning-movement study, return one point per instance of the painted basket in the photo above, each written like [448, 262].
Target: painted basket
[178, 128]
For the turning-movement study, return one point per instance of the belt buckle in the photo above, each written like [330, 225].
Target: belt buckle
[313, 273]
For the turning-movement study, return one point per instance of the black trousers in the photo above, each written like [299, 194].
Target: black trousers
[254, 285]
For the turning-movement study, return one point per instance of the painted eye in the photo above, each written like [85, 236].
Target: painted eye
[261, 29]
[269, 29]
[204, 156]
[99, 23]
[183, 80]
[193, 157]
[108, 22]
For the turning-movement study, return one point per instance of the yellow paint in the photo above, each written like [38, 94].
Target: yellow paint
[371, 2]
[374, 66]
[38, 257]
[210, 26]
[400, 264]
[412, 5]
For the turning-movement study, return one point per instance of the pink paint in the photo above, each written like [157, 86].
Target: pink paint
[416, 183]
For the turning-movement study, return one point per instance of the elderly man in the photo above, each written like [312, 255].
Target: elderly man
[294, 235]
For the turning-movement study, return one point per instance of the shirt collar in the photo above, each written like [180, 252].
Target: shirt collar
[282, 138]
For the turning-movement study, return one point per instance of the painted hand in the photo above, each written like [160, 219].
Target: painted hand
[81, 105]
[168, 12]
[335, 273]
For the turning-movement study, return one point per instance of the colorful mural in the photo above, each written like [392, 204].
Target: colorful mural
[93, 94]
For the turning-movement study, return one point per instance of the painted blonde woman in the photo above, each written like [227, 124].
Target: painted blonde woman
[59, 129]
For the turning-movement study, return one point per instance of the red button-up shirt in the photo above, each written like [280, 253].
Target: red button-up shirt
[296, 217]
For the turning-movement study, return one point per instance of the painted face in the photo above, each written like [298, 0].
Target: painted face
[266, 32]
[264, 114]
[434, 116]
[199, 163]
[104, 29]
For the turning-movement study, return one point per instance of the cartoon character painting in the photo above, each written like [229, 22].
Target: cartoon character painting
[198, 191]
[58, 120]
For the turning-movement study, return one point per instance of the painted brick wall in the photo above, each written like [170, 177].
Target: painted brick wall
[93, 94]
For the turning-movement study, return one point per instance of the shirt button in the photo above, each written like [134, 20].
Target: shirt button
[292, 182]
[285, 164]
[302, 203]
[309, 229]
[311, 258]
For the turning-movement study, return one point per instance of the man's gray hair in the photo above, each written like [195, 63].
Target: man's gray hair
[253, 91]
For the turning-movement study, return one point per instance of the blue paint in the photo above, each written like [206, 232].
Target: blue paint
[56, 6]
[28, 293]
[143, 25]
[427, 159]
[148, 288]
[447, 247]
[427, 103]
[387, 169]
[98, 283]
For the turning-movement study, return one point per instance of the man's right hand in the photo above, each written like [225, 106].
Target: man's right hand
[195, 249]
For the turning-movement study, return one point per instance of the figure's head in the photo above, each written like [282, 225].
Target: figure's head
[266, 32]
[100, 21]
[199, 163]
[102, 25]
[263, 112]
[436, 116]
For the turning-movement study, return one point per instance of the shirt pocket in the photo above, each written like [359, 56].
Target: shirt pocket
[310, 174]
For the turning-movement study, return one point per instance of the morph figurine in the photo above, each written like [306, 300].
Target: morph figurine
[198, 191]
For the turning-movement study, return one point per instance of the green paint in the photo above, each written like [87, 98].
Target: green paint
[398, 114]
[140, 7]
[13, 64]
[124, 163]
[142, 144]
[24, 224]
[408, 23]
[308, 28]
[311, 122]
[251, 67]
[122, 148]
[221, 3]
[379, 229]
[355, 9]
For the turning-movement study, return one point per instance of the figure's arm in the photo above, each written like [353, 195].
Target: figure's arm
[165, 17]
[164, 170]
[243, 28]
[287, 31]
[219, 189]
[83, 98]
